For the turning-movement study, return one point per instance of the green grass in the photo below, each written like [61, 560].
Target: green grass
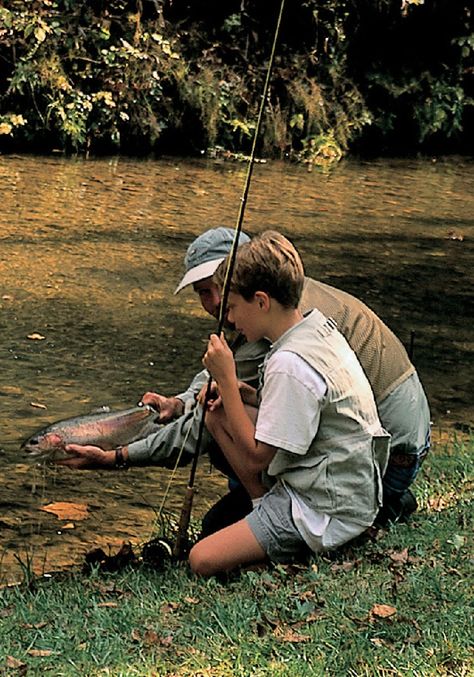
[319, 619]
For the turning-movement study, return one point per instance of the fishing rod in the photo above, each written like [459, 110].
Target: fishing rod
[183, 525]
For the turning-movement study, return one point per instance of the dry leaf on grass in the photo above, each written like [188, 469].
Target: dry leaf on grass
[399, 557]
[14, 663]
[169, 607]
[383, 610]
[39, 652]
[344, 566]
[286, 634]
[382, 642]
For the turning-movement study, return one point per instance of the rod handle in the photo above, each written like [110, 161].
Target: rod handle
[184, 519]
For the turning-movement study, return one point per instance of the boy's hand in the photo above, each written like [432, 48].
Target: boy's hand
[219, 360]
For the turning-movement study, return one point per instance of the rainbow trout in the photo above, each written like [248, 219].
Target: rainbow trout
[106, 429]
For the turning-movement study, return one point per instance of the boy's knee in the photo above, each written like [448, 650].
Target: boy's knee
[200, 562]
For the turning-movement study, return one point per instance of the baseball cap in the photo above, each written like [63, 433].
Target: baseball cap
[206, 253]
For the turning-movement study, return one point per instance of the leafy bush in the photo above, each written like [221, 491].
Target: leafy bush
[185, 77]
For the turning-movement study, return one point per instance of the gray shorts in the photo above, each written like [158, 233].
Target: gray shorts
[273, 527]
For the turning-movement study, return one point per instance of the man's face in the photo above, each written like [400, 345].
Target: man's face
[209, 296]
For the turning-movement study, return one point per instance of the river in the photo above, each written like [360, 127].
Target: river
[90, 254]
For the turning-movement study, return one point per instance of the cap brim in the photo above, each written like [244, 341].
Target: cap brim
[199, 273]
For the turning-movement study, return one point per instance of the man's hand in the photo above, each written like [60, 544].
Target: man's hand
[169, 407]
[214, 401]
[87, 456]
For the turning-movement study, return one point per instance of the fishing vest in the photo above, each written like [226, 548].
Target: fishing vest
[382, 355]
[341, 473]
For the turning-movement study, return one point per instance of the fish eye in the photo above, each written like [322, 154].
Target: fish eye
[35, 440]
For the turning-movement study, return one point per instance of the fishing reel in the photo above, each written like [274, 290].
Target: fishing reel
[157, 552]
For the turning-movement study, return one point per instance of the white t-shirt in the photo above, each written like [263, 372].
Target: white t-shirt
[288, 418]
[291, 399]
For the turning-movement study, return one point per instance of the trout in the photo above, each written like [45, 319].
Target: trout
[105, 429]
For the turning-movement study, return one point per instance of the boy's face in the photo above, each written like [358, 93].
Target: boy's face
[246, 316]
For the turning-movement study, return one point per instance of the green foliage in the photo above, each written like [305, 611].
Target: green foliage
[87, 78]
[90, 76]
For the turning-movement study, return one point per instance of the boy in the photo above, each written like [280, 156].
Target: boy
[313, 455]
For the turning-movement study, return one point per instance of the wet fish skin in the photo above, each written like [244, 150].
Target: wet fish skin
[104, 429]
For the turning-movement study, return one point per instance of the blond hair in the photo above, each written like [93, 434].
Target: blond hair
[269, 263]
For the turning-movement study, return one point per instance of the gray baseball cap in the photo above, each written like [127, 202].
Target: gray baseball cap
[206, 253]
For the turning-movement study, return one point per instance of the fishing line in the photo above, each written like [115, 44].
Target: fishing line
[176, 465]
[187, 504]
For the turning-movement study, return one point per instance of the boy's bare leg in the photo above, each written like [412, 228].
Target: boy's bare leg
[225, 550]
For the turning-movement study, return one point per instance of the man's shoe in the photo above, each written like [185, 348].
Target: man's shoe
[408, 505]
[396, 509]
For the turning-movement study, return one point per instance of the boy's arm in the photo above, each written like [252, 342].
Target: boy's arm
[244, 451]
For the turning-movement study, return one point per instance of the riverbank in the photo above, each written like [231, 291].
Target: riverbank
[399, 603]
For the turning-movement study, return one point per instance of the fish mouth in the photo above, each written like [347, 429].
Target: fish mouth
[31, 451]
[29, 447]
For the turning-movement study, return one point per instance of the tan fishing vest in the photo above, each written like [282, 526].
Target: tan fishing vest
[383, 357]
[341, 474]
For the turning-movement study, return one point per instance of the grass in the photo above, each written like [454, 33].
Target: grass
[398, 604]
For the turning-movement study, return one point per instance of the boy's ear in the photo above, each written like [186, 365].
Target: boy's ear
[263, 299]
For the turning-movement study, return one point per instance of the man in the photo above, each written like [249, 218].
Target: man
[313, 453]
[399, 395]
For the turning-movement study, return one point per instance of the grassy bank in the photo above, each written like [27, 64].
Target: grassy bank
[398, 604]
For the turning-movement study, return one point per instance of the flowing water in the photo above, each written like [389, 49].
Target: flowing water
[90, 254]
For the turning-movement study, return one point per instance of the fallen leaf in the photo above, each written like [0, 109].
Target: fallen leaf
[151, 637]
[169, 607]
[39, 652]
[315, 616]
[383, 610]
[289, 635]
[67, 511]
[382, 642]
[166, 641]
[307, 594]
[345, 566]
[399, 557]
[14, 663]
[36, 337]
[38, 405]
